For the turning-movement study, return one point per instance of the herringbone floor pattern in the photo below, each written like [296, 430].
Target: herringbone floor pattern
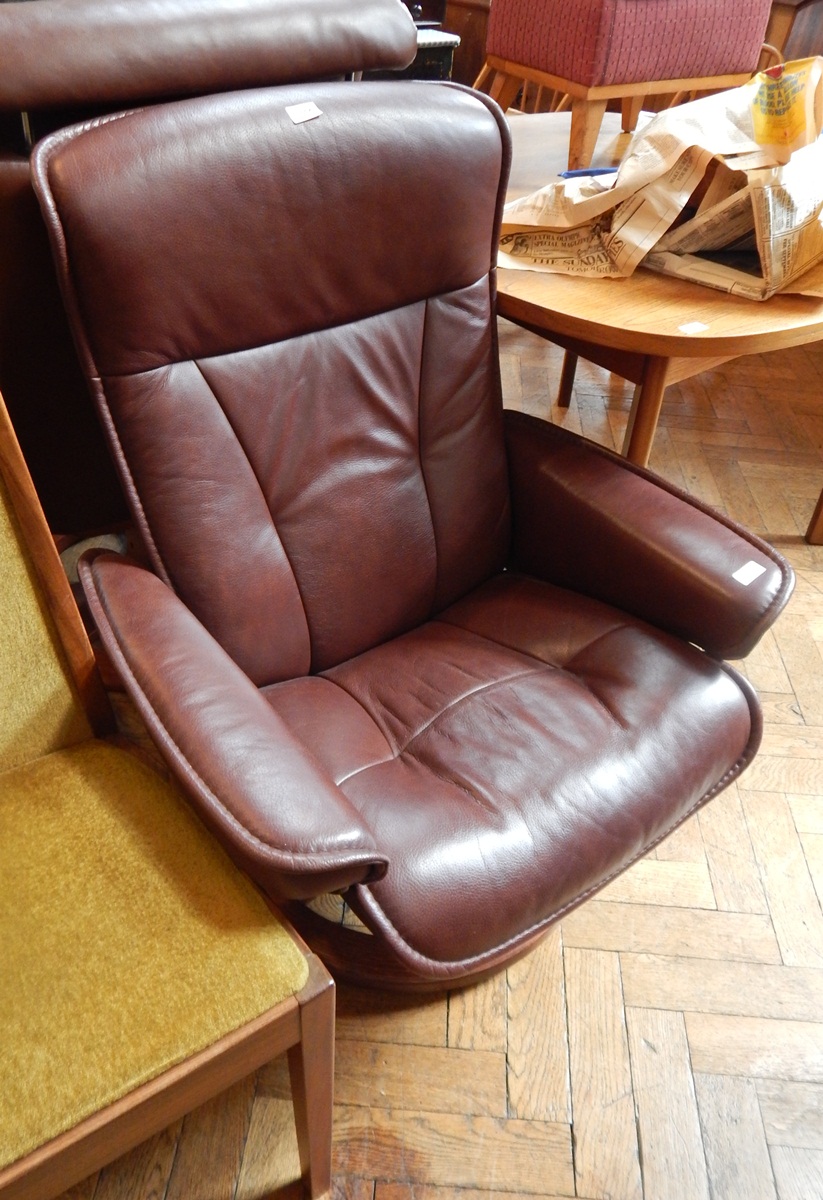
[666, 1042]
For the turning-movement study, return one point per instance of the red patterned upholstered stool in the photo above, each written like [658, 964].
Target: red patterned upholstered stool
[598, 50]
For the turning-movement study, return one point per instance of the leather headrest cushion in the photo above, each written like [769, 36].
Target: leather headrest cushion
[78, 52]
[218, 224]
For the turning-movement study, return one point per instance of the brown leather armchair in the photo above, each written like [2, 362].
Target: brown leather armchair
[67, 59]
[454, 662]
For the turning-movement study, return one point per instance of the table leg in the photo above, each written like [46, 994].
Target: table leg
[648, 400]
[564, 392]
[814, 534]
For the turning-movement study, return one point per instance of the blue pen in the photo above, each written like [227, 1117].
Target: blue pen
[588, 171]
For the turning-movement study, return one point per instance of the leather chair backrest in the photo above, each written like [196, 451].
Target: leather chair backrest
[64, 60]
[289, 327]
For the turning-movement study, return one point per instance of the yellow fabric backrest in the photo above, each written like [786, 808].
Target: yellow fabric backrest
[40, 710]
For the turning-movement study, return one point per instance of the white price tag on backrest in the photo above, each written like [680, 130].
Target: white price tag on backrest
[303, 112]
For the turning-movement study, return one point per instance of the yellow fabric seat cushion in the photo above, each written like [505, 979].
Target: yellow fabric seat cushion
[129, 940]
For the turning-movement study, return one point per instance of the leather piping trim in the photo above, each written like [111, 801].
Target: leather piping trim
[40, 164]
[303, 862]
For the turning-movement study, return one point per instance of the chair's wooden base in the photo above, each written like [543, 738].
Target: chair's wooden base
[303, 1025]
[364, 960]
[503, 80]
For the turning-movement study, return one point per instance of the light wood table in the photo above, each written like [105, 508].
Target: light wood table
[649, 329]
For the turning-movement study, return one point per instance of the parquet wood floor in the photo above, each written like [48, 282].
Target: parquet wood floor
[665, 1042]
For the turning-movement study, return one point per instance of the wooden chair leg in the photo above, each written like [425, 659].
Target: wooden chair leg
[528, 98]
[814, 534]
[311, 1069]
[564, 392]
[504, 89]
[501, 87]
[586, 118]
[481, 82]
[630, 108]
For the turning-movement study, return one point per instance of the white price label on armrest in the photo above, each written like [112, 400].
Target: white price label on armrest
[748, 572]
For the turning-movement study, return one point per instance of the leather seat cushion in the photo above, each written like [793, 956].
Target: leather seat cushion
[522, 744]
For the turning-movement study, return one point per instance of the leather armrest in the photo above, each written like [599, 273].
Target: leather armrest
[255, 786]
[586, 519]
[78, 52]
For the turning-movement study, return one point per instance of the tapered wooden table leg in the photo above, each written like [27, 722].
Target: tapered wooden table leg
[564, 392]
[814, 534]
[648, 400]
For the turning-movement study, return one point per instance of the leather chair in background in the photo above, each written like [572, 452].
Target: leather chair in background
[595, 51]
[454, 662]
[63, 60]
[142, 974]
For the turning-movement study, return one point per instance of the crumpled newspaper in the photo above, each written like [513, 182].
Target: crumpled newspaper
[726, 190]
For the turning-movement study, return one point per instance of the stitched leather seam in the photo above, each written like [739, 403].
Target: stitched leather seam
[563, 668]
[196, 363]
[399, 750]
[435, 587]
[391, 755]
[300, 333]
[450, 781]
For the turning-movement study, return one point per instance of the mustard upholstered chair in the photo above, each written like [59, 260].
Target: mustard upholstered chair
[141, 972]
[599, 50]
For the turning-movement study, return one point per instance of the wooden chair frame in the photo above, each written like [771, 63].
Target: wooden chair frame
[303, 1025]
[502, 80]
